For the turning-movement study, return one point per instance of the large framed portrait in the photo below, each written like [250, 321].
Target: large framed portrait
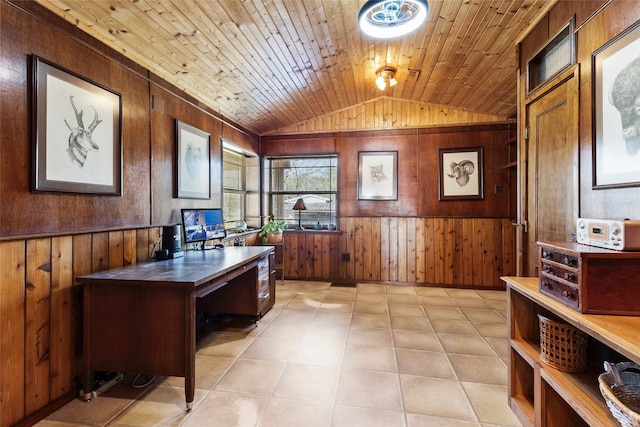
[378, 175]
[616, 151]
[193, 156]
[460, 173]
[77, 135]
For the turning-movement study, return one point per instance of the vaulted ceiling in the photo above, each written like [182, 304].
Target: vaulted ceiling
[273, 63]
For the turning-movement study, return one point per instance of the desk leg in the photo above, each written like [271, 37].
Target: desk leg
[87, 373]
[190, 347]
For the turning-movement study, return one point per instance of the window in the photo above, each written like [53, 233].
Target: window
[314, 179]
[239, 186]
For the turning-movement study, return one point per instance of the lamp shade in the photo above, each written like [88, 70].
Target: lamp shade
[392, 18]
[299, 206]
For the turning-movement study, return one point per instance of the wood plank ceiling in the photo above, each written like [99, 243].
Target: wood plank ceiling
[268, 64]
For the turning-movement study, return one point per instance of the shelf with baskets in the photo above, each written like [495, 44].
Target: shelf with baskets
[540, 394]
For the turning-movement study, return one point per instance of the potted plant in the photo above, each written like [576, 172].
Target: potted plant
[272, 231]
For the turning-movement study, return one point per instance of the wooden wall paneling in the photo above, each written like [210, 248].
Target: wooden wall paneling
[430, 249]
[322, 256]
[116, 248]
[368, 248]
[420, 251]
[449, 245]
[488, 252]
[144, 245]
[328, 256]
[37, 323]
[478, 251]
[291, 243]
[402, 255]
[466, 260]
[411, 249]
[12, 332]
[508, 249]
[241, 137]
[129, 249]
[334, 252]
[359, 249]
[99, 251]
[348, 247]
[310, 255]
[458, 251]
[302, 255]
[342, 243]
[498, 254]
[393, 241]
[385, 249]
[63, 317]
[421, 259]
[440, 247]
[374, 248]
[82, 255]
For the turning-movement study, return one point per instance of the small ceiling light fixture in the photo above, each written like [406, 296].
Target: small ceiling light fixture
[392, 18]
[386, 77]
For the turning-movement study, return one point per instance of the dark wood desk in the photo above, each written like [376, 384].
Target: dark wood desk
[142, 318]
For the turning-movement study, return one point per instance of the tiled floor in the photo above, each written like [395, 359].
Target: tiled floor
[369, 356]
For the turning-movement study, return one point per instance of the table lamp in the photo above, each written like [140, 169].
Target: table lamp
[299, 206]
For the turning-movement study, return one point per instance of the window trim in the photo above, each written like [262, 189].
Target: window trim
[269, 193]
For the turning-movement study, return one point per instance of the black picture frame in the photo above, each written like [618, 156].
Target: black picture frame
[193, 162]
[377, 175]
[461, 173]
[616, 112]
[70, 155]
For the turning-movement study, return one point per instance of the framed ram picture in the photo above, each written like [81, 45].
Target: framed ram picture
[77, 133]
[461, 173]
[378, 175]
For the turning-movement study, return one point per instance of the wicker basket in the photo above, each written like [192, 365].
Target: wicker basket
[562, 346]
[621, 391]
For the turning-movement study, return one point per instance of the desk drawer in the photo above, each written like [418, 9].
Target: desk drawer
[207, 288]
[263, 268]
[264, 294]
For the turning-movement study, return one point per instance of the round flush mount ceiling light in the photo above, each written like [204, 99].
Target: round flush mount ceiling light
[392, 18]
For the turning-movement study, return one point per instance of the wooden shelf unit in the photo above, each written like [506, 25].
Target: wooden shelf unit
[541, 395]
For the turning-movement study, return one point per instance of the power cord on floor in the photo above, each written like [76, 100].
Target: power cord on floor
[138, 376]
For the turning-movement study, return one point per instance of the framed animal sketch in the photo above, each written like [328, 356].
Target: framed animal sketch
[77, 138]
[616, 151]
[378, 175]
[460, 173]
[193, 162]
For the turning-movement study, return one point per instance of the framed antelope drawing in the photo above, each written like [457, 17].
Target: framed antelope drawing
[378, 175]
[76, 133]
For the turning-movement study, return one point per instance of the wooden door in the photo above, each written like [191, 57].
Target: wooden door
[552, 184]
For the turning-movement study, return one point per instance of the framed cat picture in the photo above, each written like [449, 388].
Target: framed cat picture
[377, 175]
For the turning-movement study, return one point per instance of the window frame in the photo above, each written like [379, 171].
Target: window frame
[240, 157]
[270, 193]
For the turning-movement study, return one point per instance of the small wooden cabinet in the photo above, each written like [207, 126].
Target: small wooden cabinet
[590, 279]
[541, 395]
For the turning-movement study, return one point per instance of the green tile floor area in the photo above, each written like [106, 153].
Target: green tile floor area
[371, 355]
